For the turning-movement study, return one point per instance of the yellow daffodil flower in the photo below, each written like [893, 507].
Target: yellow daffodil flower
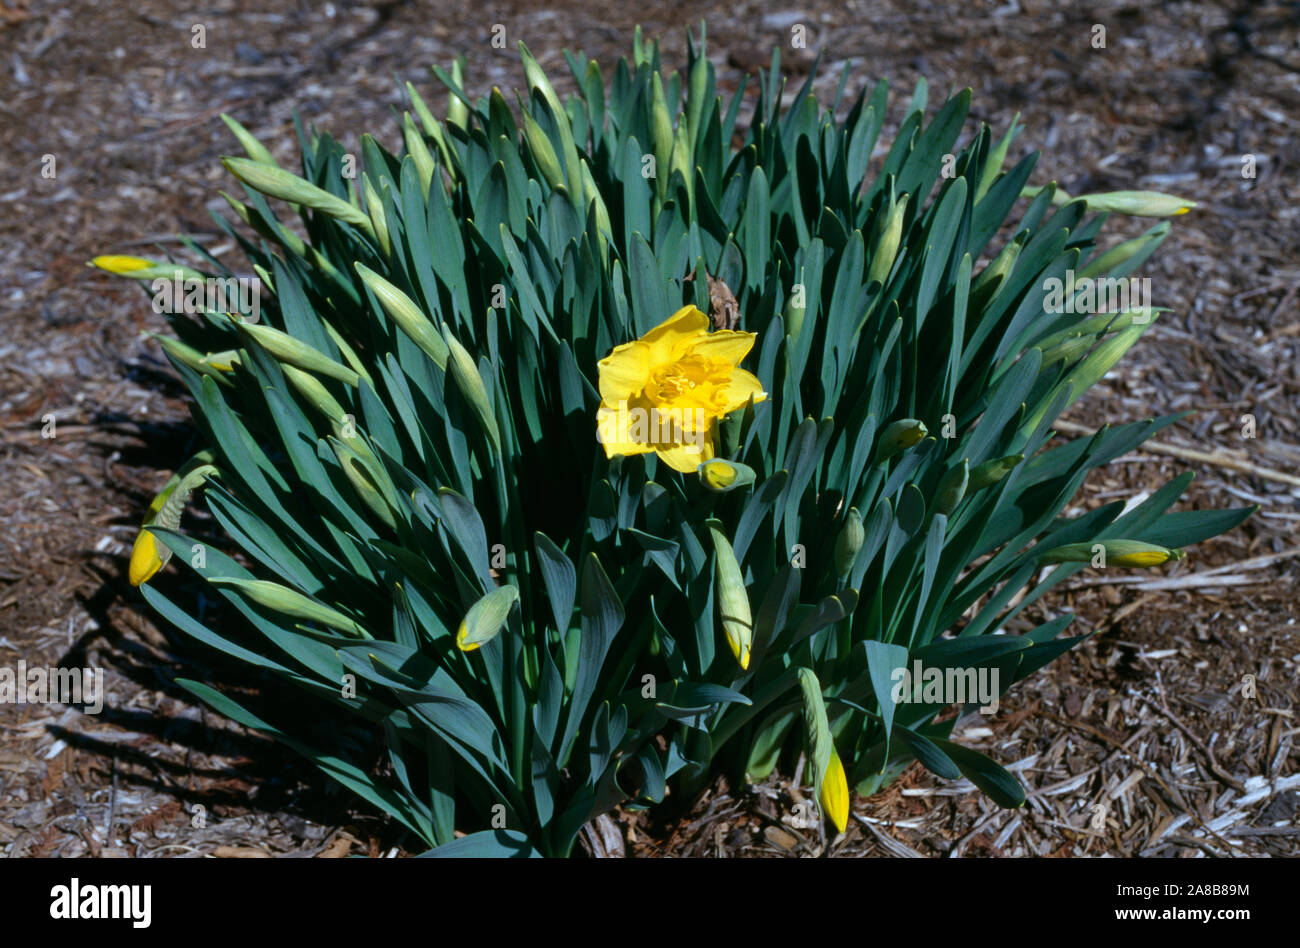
[666, 391]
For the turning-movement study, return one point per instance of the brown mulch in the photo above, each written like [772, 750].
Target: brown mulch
[1146, 740]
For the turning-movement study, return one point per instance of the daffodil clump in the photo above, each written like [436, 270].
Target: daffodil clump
[576, 451]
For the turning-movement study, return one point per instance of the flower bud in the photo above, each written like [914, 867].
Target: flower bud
[255, 149]
[286, 348]
[1117, 256]
[543, 152]
[882, 259]
[138, 268]
[733, 601]
[850, 540]
[291, 603]
[721, 475]
[834, 795]
[287, 186]
[990, 472]
[898, 437]
[369, 480]
[378, 219]
[1112, 553]
[409, 317]
[952, 488]
[1138, 203]
[486, 618]
[457, 110]
[310, 388]
[419, 153]
[148, 556]
[467, 378]
[992, 276]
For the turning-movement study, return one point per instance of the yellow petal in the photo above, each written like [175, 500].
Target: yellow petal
[676, 334]
[742, 385]
[725, 344]
[688, 456]
[624, 372]
[613, 431]
[145, 559]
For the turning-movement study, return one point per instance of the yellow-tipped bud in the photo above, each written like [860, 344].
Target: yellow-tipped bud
[900, 436]
[138, 268]
[224, 361]
[1102, 553]
[834, 795]
[486, 618]
[122, 265]
[733, 600]
[722, 475]
[146, 558]
[1138, 203]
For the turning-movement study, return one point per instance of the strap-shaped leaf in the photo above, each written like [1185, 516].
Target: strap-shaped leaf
[1003, 788]
[560, 578]
[602, 617]
[884, 659]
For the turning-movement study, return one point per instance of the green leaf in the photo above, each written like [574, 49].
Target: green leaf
[883, 662]
[602, 616]
[560, 578]
[1004, 789]
[486, 844]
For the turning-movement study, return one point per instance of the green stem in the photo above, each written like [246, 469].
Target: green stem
[742, 716]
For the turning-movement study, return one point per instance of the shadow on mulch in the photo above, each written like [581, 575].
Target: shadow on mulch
[190, 755]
